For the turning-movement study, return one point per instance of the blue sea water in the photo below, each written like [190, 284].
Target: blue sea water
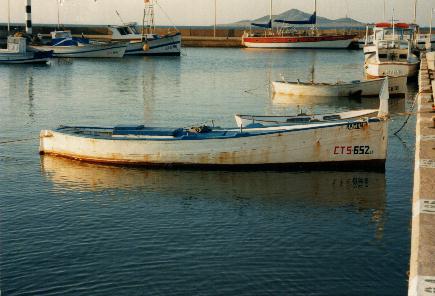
[70, 228]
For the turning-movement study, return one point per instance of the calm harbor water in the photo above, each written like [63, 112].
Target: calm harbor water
[69, 228]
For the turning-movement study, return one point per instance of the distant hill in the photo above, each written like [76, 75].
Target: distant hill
[297, 15]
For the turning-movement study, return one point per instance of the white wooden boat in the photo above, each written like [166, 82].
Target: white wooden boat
[65, 46]
[361, 141]
[391, 53]
[367, 88]
[244, 120]
[342, 142]
[146, 44]
[17, 53]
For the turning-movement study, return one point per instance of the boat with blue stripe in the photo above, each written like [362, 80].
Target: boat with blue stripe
[64, 45]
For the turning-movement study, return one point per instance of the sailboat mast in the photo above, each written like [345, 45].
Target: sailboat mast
[271, 11]
[315, 12]
[385, 7]
[415, 11]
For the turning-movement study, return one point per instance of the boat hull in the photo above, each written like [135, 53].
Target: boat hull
[326, 42]
[397, 87]
[25, 58]
[382, 69]
[86, 51]
[338, 143]
[168, 45]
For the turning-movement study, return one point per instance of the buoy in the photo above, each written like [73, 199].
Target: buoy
[146, 47]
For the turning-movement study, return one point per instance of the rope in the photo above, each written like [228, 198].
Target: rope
[167, 16]
[250, 91]
[409, 115]
[16, 141]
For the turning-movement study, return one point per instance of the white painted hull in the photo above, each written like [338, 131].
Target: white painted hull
[246, 120]
[382, 69]
[20, 59]
[397, 86]
[335, 44]
[116, 50]
[314, 144]
[166, 46]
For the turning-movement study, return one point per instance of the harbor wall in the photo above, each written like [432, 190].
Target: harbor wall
[192, 36]
[422, 260]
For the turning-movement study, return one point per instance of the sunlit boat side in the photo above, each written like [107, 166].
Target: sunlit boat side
[355, 143]
[357, 88]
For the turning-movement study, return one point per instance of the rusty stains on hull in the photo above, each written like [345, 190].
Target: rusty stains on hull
[374, 165]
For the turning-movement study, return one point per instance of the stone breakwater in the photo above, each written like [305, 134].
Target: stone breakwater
[422, 261]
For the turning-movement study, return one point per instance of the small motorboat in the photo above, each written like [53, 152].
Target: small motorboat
[146, 44]
[324, 144]
[357, 88]
[64, 45]
[18, 53]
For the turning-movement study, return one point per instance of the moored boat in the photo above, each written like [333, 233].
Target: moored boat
[146, 44]
[357, 88]
[65, 46]
[17, 53]
[244, 120]
[287, 38]
[359, 141]
[391, 53]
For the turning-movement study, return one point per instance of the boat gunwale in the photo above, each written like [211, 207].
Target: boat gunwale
[241, 132]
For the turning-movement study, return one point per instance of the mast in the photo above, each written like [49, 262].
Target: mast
[415, 11]
[9, 16]
[29, 17]
[58, 13]
[215, 17]
[385, 8]
[271, 22]
[315, 12]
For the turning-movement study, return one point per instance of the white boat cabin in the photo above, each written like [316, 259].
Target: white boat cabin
[17, 44]
[129, 32]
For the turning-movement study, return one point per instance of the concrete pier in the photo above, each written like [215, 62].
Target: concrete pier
[422, 261]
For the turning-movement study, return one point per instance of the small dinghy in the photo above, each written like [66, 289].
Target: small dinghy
[357, 88]
[17, 53]
[331, 144]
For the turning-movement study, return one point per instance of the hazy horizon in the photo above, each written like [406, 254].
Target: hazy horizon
[201, 13]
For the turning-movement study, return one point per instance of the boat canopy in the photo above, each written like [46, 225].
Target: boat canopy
[267, 26]
[310, 21]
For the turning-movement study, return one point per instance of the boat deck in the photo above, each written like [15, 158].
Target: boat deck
[140, 132]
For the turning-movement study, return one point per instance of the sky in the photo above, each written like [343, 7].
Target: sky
[201, 12]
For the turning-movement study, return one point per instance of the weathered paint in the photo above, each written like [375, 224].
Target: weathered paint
[313, 145]
[108, 50]
[397, 86]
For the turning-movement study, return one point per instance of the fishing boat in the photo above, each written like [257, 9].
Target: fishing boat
[356, 88]
[247, 121]
[18, 53]
[359, 141]
[146, 44]
[286, 38]
[63, 45]
[391, 53]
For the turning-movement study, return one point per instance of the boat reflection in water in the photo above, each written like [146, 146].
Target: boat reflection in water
[362, 192]
[319, 104]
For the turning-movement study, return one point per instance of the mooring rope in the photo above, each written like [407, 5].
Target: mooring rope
[16, 141]
[409, 115]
